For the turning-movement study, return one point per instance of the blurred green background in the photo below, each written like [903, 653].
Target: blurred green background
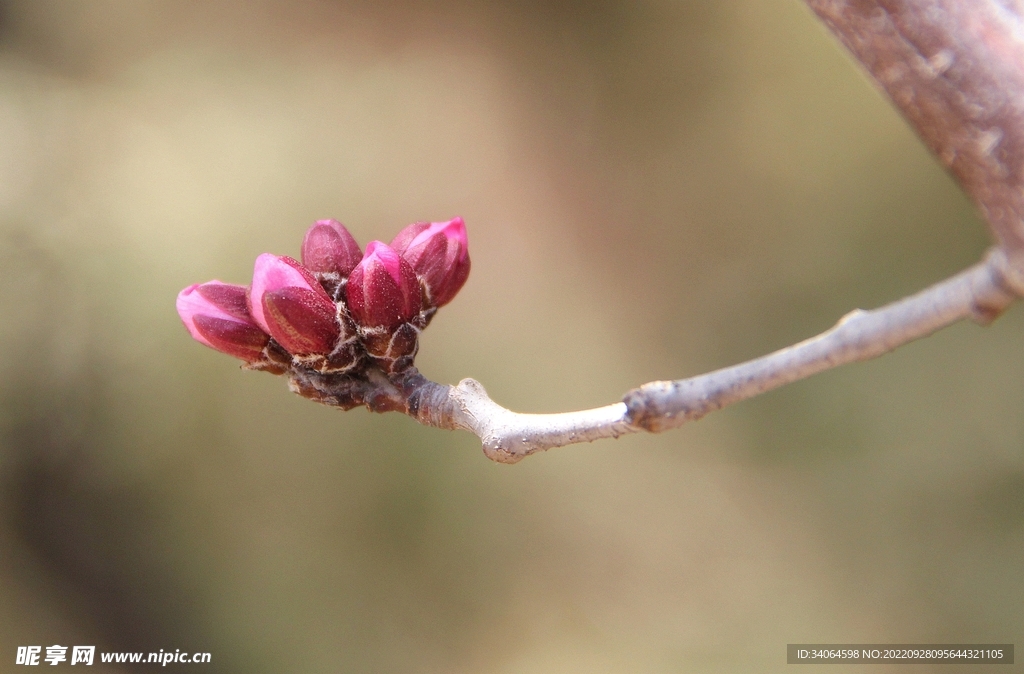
[653, 189]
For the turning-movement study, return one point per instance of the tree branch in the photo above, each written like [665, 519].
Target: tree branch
[955, 70]
[979, 293]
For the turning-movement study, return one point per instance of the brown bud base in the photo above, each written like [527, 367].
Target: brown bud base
[349, 377]
[275, 360]
[370, 387]
[340, 361]
[346, 356]
[391, 351]
[341, 391]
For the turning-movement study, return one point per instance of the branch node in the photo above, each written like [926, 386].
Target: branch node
[1005, 286]
[849, 316]
[644, 408]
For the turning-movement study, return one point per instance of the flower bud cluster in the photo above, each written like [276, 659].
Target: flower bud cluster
[340, 309]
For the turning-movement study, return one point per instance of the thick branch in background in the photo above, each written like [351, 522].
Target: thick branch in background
[955, 70]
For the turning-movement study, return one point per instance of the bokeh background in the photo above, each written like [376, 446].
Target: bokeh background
[653, 189]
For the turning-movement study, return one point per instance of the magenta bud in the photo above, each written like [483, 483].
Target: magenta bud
[286, 300]
[216, 315]
[439, 253]
[383, 291]
[329, 248]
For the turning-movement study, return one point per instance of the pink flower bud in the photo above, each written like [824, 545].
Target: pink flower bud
[439, 253]
[328, 248]
[286, 300]
[383, 291]
[216, 315]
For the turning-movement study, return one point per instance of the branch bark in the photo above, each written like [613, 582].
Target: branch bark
[956, 71]
[979, 293]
